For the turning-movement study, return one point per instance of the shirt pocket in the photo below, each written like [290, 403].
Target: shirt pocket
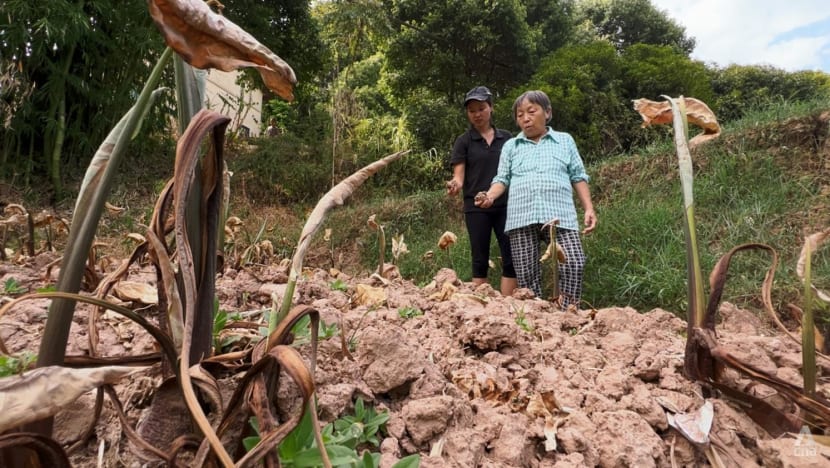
[523, 165]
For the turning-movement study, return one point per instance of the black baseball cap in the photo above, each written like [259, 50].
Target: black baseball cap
[479, 93]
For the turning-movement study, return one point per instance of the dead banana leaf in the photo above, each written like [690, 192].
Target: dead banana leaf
[43, 392]
[205, 40]
[694, 426]
[333, 198]
[545, 405]
[697, 112]
[447, 239]
[369, 296]
[814, 241]
[136, 292]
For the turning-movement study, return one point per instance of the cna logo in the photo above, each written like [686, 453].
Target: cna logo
[805, 445]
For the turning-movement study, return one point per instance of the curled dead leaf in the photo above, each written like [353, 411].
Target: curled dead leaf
[814, 241]
[15, 209]
[545, 405]
[114, 210]
[42, 392]
[446, 292]
[560, 254]
[697, 112]
[205, 40]
[372, 223]
[369, 296]
[694, 426]
[136, 292]
[447, 239]
[398, 246]
[138, 238]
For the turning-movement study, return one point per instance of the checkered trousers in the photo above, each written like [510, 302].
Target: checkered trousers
[525, 247]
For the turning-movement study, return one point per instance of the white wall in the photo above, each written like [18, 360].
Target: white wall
[221, 85]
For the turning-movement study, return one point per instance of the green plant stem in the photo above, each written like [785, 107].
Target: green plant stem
[808, 337]
[555, 261]
[684, 161]
[381, 249]
[86, 218]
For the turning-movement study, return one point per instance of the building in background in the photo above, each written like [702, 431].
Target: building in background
[243, 106]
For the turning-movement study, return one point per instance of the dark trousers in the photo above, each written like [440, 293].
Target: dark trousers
[480, 225]
[525, 243]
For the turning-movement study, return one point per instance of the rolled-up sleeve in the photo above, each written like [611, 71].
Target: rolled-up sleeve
[576, 168]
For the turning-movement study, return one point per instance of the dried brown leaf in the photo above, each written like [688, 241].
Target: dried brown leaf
[205, 40]
[814, 241]
[369, 296]
[335, 197]
[697, 112]
[447, 239]
[114, 210]
[43, 392]
[137, 292]
[694, 426]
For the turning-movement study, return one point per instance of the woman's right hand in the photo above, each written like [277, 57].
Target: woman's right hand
[453, 187]
[482, 200]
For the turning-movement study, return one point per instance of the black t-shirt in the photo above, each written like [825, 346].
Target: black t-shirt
[481, 162]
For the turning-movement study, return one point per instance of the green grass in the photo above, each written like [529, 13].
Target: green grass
[745, 191]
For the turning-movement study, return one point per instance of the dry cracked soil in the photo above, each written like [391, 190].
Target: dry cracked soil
[469, 378]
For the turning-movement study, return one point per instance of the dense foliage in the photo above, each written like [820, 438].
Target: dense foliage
[375, 76]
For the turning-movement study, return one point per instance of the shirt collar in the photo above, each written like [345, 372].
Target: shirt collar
[548, 134]
[477, 136]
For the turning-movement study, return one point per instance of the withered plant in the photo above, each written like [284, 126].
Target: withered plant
[705, 358]
[182, 244]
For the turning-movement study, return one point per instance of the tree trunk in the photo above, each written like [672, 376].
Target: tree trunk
[60, 126]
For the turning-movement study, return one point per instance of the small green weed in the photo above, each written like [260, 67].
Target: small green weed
[342, 439]
[521, 321]
[10, 365]
[220, 319]
[409, 312]
[339, 285]
[364, 425]
[302, 331]
[11, 287]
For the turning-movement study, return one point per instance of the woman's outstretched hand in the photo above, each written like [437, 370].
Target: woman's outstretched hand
[482, 200]
[453, 187]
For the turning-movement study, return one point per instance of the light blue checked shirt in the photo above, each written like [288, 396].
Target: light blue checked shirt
[540, 177]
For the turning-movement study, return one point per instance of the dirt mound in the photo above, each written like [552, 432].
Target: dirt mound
[471, 378]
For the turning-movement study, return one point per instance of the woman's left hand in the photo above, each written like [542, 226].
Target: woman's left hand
[590, 221]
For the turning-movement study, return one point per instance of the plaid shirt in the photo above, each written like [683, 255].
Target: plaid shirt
[540, 177]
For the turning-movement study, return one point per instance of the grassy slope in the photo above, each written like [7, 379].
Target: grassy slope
[766, 179]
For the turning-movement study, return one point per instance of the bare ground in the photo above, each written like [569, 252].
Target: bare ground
[478, 380]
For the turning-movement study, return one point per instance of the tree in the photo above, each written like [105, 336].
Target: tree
[739, 88]
[629, 22]
[289, 30]
[449, 46]
[69, 81]
[650, 71]
[583, 83]
[354, 30]
[553, 21]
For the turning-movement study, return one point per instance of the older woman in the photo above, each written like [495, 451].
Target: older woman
[543, 169]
